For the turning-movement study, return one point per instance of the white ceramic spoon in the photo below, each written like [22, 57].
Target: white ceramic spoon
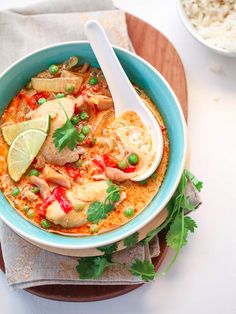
[123, 93]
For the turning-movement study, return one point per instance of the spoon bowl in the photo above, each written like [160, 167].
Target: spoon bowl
[124, 96]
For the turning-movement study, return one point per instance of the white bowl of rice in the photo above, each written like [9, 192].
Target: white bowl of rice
[211, 22]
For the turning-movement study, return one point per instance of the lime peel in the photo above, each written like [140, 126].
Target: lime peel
[23, 150]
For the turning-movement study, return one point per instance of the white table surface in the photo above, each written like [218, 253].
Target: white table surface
[203, 279]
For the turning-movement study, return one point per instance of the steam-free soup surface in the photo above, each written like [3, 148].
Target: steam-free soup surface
[80, 181]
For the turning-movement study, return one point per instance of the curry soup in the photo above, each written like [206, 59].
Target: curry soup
[79, 180]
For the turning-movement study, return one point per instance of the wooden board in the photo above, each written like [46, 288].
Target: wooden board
[154, 47]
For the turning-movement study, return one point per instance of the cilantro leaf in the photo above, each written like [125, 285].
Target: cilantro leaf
[92, 267]
[189, 224]
[197, 183]
[173, 236]
[144, 269]
[130, 241]
[96, 212]
[113, 193]
[67, 135]
[108, 207]
[108, 249]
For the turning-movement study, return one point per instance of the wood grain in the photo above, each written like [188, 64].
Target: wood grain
[154, 47]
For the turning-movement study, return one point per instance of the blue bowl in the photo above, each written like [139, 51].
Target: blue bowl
[140, 73]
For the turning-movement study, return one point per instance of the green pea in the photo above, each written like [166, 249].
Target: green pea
[26, 209]
[75, 120]
[123, 164]
[93, 81]
[143, 182]
[85, 129]
[129, 212]
[15, 191]
[30, 214]
[41, 101]
[44, 223]
[53, 69]
[79, 207]
[60, 95]
[83, 116]
[35, 190]
[81, 137]
[29, 85]
[79, 163]
[133, 159]
[94, 228]
[34, 172]
[70, 88]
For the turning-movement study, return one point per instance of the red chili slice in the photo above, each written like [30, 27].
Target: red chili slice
[99, 163]
[60, 195]
[74, 173]
[109, 161]
[28, 101]
[48, 201]
[130, 169]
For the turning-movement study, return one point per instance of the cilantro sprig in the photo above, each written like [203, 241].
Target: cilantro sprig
[92, 267]
[144, 269]
[177, 224]
[131, 241]
[99, 210]
[67, 135]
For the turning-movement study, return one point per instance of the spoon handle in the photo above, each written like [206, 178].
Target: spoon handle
[120, 87]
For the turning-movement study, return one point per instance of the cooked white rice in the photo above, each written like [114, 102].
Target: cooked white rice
[215, 21]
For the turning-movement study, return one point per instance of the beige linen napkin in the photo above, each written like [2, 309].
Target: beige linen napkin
[22, 31]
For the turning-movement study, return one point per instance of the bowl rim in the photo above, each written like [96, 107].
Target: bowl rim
[139, 226]
[188, 25]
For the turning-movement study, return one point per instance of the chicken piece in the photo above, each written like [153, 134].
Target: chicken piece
[102, 102]
[91, 192]
[70, 220]
[118, 175]
[41, 184]
[52, 175]
[48, 150]
[40, 162]
[30, 196]
[81, 104]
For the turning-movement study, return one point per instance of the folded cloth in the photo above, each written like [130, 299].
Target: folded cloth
[22, 31]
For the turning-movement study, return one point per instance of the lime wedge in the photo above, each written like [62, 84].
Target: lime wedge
[10, 132]
[23, 150]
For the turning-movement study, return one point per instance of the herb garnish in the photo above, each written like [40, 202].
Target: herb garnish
[144, 269]
[67, 135]
[92, 267]
[178, 226]
[130, 241]
[108, 249]
[99, 210]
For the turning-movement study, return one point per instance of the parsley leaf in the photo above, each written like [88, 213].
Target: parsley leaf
[108, 249]
[92, 267]
[96, 212]
[130, 241]
[144, 269]
[67, 135]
